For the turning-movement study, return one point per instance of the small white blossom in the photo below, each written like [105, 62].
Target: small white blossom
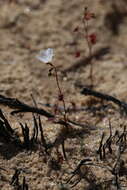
[46, 55]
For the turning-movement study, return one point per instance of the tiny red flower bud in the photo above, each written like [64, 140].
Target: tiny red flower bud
[60, 97]
[93, 38]
[77, 54]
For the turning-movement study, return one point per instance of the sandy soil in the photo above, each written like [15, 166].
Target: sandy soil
[26, 27]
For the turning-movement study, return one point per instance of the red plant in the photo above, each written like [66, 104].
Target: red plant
[91, 38]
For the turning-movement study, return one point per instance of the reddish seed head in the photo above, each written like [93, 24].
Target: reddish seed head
[93, 38]
[77, 54]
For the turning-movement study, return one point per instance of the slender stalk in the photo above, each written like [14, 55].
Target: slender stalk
[85, 22]
[60, 93]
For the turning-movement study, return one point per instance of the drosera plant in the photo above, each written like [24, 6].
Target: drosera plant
[46, 57]
[90, 38]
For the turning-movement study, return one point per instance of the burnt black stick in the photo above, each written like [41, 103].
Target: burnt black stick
[87, 91]
[22, 107]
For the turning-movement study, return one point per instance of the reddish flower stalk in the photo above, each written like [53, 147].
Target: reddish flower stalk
[90, 39]
[61, 98]
[60, 93]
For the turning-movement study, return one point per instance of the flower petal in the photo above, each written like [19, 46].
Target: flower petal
[45, 55]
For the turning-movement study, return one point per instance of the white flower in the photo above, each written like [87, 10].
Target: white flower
[46, 55]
